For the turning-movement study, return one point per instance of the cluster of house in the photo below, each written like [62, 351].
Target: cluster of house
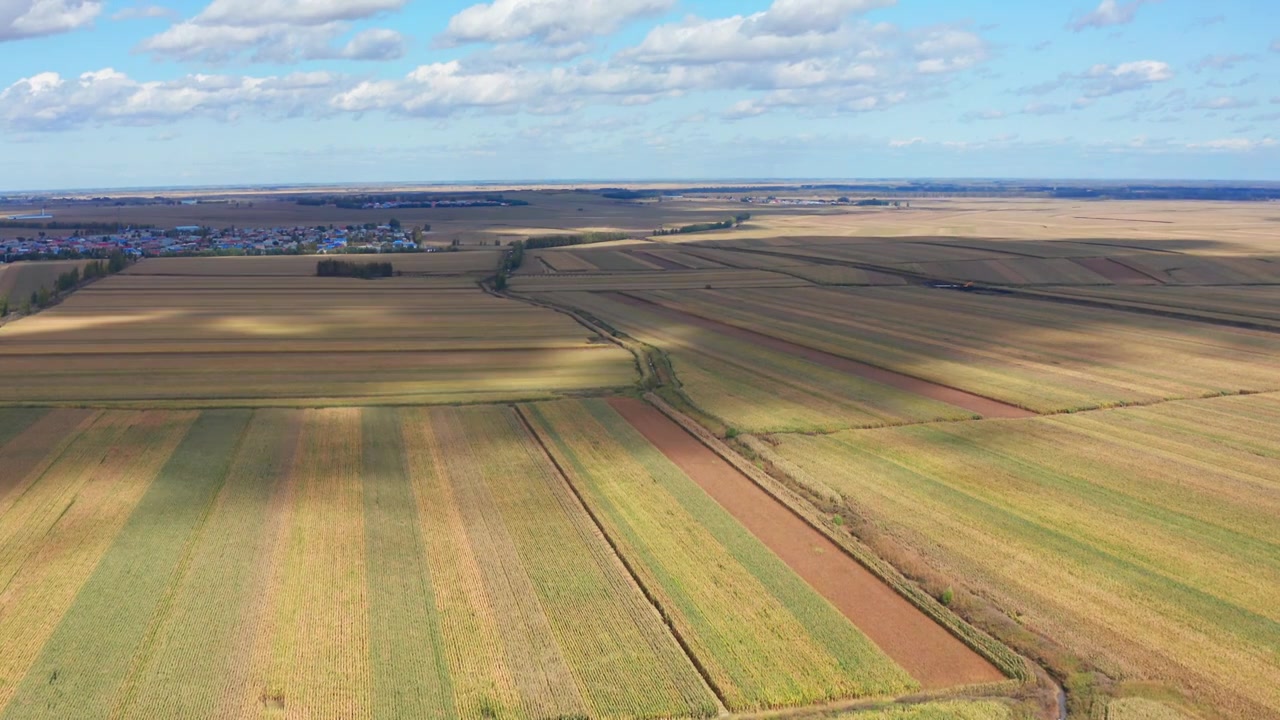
[188, 240]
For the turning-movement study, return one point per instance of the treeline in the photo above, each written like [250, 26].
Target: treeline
[705, 227]
[406, 200]
[67, 282]
[62, 256]
[344, 268]
[554, 241]
[511, 262]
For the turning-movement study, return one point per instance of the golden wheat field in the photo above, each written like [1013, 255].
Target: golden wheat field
[148, 339]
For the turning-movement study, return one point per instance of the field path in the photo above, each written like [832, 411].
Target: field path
[986, 407]
[922, 647]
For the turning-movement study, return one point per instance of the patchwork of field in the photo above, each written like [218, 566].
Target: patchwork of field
[478, 263]
[171, 341]
[1042, 356]
[1145, 539]
[394, 562]
[19, 280]
[1255, 305]
[759, 389]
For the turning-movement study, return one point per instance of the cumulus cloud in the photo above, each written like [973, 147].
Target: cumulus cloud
[48, 101]
[1108, 13]
[983, 115]
[556, 22]
[33, 18]
[1105, 80]
[278, 31]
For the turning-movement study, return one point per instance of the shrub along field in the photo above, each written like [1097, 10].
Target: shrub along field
[1146, 540]
[166, 341]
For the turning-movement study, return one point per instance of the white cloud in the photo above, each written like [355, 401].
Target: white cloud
[1038, 108]
[278, 31]
[907, 143]
[557, 22]
[48, 101]
[34, 18]
[1225, 102]
[142, 12]
[1104, 80]
[377, 44]
[1220, 62]
[1275, 45]
[1234, 145]
[1108, 13]
[983, 115]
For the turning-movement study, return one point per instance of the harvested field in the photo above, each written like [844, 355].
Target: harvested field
[342, 563]
[1146, 540]
[1116, 272]
[19, 280]
[469, 262]
[228, 341]
[653, 280]
[762, 636]
[1254, 304]
[753, 387]
[914, 641]
[1042, 356]
[951, 396]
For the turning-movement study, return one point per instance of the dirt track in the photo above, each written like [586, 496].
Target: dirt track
[983, 406]
[922, 647]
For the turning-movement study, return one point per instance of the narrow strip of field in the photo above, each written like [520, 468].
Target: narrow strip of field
[762, 637]
[192, 650]
[26, 455]
[410, 673]
[984, 406]
[923, 648]
[664, 263]
[86, 661]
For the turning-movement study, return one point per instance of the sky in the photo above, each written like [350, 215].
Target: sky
[131, 93]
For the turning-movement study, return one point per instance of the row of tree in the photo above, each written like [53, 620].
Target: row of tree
[554, 241]
[67, 282]
[511, 262]
[344, 268]
[705, 227]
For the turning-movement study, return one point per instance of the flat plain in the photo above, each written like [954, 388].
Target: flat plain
[1049, 426]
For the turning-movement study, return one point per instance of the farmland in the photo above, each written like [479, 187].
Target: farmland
[792, 467]
[19, 280]
[1144, 538]
[1041, 356]
[148, 340]
[393, 562]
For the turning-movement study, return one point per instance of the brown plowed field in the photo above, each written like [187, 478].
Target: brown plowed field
[983, 406]
[922, 647]
[1117, 273]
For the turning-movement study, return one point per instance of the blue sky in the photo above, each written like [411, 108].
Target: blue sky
[132, 93]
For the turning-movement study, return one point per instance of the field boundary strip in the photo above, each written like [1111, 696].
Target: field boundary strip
[1019, 670]
[635, 577]
[984, 406]
[1049, 296]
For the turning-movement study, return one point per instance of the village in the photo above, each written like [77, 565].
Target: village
[196, 240]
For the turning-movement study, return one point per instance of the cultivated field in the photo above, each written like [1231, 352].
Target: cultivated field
[1146, 539]
[400, 562]
[19, 280]
[1046, 357]
[158, 340]
[231, 489]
